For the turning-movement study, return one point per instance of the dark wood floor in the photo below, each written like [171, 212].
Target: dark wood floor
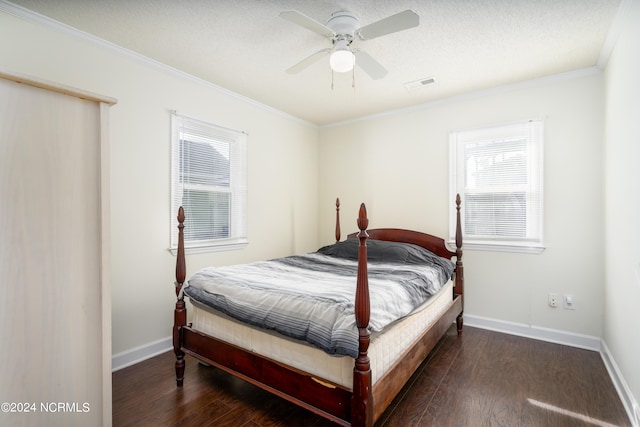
[483, 378]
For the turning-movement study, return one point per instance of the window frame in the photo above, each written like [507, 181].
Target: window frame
[199, 132]
[532, 132]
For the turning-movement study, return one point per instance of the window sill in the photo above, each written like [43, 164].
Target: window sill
[501, 248]
[210, 248]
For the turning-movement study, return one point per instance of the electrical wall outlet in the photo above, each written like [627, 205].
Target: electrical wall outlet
[568, 302]
[554, 300]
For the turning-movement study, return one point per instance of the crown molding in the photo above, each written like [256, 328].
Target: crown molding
[607, 48]
[569, 75]
[31, 16]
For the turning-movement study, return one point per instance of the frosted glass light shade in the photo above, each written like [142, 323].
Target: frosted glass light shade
[341, 60]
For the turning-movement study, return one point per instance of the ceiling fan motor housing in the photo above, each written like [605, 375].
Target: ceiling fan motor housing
[343, 23]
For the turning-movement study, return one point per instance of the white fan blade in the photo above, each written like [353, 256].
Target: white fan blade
[369, 65]
[306, 22]
[308, 61]
[394, 23]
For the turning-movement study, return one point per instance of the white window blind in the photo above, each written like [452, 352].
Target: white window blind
[498, 173]
[209, 180]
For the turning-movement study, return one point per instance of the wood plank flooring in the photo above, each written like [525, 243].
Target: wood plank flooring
[483, 378]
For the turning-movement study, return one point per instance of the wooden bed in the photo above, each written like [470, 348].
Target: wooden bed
[365, 402]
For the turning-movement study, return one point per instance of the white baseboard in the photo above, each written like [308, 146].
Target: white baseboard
[140, 353]
[536, 332]
[629, 402]
[566, 338]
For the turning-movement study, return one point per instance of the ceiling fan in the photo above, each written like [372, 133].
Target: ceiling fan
[342, 28]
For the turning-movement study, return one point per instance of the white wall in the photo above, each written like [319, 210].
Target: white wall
[398, 165]
[622, 202]
[283, 177]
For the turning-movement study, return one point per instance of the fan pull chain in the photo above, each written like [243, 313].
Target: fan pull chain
[353, 79]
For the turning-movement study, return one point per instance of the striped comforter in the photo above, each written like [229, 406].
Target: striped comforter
[311, 297]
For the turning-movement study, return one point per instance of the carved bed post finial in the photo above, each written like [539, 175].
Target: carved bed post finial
[362, 398]
[337, 220]
[180, 312]
[459, 285]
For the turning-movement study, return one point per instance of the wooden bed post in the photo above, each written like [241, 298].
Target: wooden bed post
[459, 285]
[362, 398]
[337, 220]
[180, 312]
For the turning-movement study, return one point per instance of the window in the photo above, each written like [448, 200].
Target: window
[208, 179]
[498, 173]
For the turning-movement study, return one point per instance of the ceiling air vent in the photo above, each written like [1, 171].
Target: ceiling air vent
[419, 83]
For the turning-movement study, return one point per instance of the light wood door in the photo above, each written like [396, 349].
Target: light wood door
[52, 259]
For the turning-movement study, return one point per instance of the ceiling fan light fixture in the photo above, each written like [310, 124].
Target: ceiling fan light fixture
[342, 60]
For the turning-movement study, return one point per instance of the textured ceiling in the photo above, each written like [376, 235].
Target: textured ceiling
[245, 47]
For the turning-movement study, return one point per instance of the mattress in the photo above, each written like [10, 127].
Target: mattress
[310, 297]
[385, 348]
